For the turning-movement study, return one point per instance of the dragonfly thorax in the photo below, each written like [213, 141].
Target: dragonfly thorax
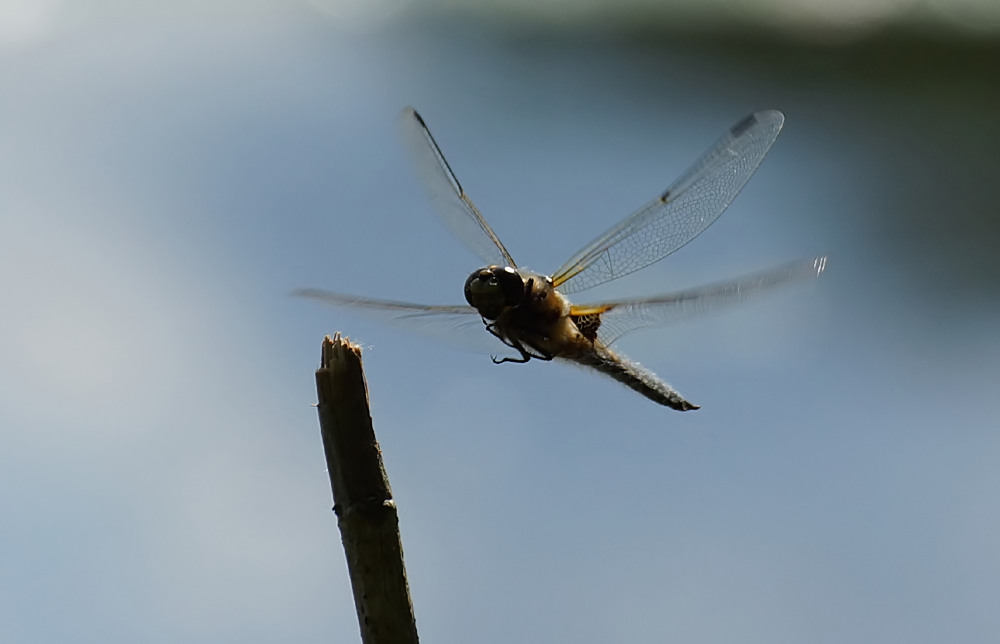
[491, 290]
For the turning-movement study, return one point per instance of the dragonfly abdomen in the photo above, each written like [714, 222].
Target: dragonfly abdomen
[633, 376]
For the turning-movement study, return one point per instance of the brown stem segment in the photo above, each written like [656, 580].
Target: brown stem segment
[362, 498]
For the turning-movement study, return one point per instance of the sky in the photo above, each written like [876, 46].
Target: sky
[170, 175]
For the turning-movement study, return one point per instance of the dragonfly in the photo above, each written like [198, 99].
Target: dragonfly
[530, 312]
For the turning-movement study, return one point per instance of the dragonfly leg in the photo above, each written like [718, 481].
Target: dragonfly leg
[525, 357]
[540, 355]
[526, 354]
[492, 328]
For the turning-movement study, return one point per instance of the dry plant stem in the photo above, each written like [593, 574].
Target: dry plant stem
[366, 513]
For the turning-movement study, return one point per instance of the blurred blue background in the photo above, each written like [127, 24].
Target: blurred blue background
[170, 171]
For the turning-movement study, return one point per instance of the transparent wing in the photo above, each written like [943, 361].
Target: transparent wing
[680, 214]
[459, 325]
[620, 317]
[447, 194]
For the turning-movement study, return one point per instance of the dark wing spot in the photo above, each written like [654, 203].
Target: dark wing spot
[744, 125]
[587, 324]
[665, 197]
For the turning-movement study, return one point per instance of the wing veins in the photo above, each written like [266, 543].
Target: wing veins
[619, 317]
[449, 197]
[679, 214]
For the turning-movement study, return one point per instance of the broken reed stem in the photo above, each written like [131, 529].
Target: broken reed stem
[362, 498]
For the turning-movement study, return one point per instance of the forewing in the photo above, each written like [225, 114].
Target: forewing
[620, 317]
[681, 213]
[459, 325]
[449, 198]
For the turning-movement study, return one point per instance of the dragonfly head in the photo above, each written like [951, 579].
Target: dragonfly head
[493, 289]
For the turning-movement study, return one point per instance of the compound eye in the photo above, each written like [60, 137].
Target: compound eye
[491, 290]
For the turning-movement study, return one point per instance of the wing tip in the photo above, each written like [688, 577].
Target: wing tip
[410, 112]
[771, 117]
